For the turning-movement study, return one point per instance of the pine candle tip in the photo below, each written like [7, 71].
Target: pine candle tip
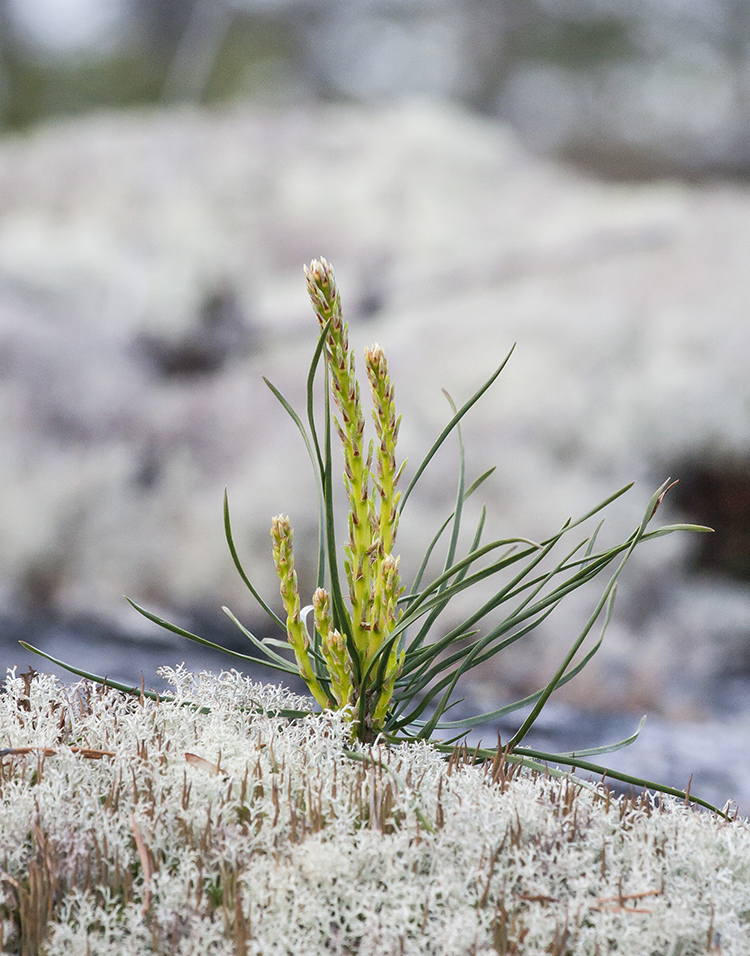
[280, 524]
[321, 598]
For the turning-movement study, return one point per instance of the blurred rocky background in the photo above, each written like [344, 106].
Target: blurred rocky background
[627, 88]
[569, 175]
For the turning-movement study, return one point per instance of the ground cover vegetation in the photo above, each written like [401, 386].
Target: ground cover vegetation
[210, 824]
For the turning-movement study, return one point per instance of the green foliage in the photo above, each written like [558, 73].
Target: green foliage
[253, 60]
[377, 653]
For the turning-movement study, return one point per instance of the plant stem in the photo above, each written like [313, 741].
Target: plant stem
[283, 558]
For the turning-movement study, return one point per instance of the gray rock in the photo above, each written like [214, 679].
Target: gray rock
[150, 272]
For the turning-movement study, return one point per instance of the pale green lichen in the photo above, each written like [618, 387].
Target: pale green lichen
[212, 827]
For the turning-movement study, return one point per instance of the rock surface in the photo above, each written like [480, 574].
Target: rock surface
[150, 273]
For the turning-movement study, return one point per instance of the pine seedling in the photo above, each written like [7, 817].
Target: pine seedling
[379, 654]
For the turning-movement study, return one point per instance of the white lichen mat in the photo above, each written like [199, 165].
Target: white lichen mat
[134, 826]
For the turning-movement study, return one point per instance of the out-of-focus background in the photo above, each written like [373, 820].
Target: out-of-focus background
[570, 175]
[630, 89]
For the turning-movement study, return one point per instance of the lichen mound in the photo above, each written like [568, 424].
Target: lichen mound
[205, 824]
